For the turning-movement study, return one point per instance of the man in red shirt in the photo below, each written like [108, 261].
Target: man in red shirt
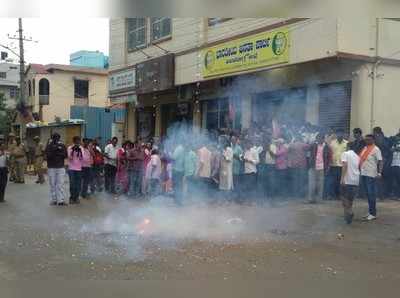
[297, 163]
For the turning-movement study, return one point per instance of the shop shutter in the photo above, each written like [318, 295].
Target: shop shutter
[335, 105]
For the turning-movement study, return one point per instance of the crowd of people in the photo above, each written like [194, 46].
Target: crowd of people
[257, 165]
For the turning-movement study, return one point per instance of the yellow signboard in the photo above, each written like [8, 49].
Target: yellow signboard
[259, 50]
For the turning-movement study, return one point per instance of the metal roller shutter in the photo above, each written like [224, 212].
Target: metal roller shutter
[335, 105]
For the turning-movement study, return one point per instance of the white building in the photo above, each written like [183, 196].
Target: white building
[9, 83]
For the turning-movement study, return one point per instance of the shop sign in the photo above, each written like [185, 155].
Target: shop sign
[131, 98]
[155, 75]
[122, 80]
[251, 52]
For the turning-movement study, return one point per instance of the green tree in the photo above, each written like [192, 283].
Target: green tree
[5, 116]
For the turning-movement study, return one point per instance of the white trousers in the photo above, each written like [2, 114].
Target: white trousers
[56, 181]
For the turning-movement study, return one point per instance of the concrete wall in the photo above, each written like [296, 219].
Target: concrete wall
[357, 36]
[387, 103]
[389, 39]
[310, 40]
[62, 93]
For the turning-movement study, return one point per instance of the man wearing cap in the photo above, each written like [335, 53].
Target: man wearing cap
[38, 159]
[19, 155]
[10, 147]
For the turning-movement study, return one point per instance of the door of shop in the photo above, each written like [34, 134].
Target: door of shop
[286, 106]
[145, 123]
[335, 105]
[174, 114]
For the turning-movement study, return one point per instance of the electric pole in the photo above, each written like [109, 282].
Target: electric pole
[21, 38]
[21, 62]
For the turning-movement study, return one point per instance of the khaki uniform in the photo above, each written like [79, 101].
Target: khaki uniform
[19, 155]
[38, 161]
[10, 148]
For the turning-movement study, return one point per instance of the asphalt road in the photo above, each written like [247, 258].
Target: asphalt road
[108, 238]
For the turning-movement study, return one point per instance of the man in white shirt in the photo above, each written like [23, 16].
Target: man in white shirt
[110, 165]
[349, 180]
[371, 166]
[251, 160]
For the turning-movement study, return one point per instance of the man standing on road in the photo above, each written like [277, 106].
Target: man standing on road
[38, 162]
[75, 163]
[135, 156]
[396, 165]
[110, 168]
[87, 164]
[56, 153]
[319, 166]
[384, 145]
[358, 143]
[10, 147]
[338, 147]
[178, 168]
[350, 180]
[19, 156]
[204, 169]
[3, 171]
[98, 165]
[371, 167]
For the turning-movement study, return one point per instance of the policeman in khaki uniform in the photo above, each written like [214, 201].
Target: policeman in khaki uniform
[19, 155]
[10, 147]
[38, 159]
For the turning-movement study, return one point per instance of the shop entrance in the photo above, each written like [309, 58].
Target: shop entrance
[335, 105]
[285, 106]
[145, 123]
[221, 114]
[176, 113]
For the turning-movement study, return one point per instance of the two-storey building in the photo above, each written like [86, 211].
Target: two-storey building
[232, 72]
[53, 89]
[9, 83]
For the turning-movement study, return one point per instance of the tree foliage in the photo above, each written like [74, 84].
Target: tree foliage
[6, 116]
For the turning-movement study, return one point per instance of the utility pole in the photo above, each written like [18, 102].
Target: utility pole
[21, 38]
[21, 62]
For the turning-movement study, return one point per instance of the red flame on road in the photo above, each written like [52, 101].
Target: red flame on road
[143, 227]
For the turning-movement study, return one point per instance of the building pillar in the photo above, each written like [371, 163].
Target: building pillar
[131, 121]
[157, 111]
[196, 116]
[312, 105]
[246, 110]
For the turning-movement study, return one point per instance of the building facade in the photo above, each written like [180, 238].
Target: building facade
[236, 72]
[9, 83]
[94, 59]
[52, 89]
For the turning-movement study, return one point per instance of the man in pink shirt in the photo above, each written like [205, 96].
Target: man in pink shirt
[87, 163]
[75, 160]
[318, 168]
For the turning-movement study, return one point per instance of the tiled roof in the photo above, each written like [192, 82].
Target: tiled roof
[45, 69]
[38, 68]
[74, 68]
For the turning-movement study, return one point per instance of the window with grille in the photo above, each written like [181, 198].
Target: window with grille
[3, 75]
[81, 88]
[160, 28]
[136, 33]
[13, 93]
